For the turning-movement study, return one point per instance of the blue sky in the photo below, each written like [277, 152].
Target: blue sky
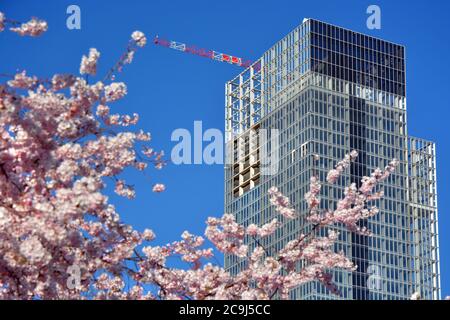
[171, 90]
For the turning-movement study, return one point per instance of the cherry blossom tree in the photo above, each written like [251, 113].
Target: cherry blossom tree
[61, 237]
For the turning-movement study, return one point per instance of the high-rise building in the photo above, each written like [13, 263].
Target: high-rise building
[321, 92]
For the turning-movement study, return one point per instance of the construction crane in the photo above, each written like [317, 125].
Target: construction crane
[211, 54]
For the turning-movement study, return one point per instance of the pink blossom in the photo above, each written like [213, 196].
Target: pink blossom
[139, 38]
[148, 235]
[67, 170]
[115, 91]
[22, 81]
[265, 230]
[143, 136]
[102, 110]
[334, 174]
[140, 166]
[129, 57]
[368, 183]
[124, 190]
[89, 63]
[415, 296]
[5, 218]
[2, 21]
[118, 120]
[311, 196]
[252, 230]
[33, 250]
[281, 203]
[226, 235]
[353, 207]
[34, 28]
[159, 187]
[62, 81]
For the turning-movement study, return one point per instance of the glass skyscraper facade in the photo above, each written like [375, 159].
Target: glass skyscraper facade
[327, 90]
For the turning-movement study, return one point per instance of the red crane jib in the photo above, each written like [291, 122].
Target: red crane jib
[203, 52]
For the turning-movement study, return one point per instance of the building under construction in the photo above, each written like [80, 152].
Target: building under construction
[329, 90]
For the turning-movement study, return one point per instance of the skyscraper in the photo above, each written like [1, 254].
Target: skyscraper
[323, 91]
